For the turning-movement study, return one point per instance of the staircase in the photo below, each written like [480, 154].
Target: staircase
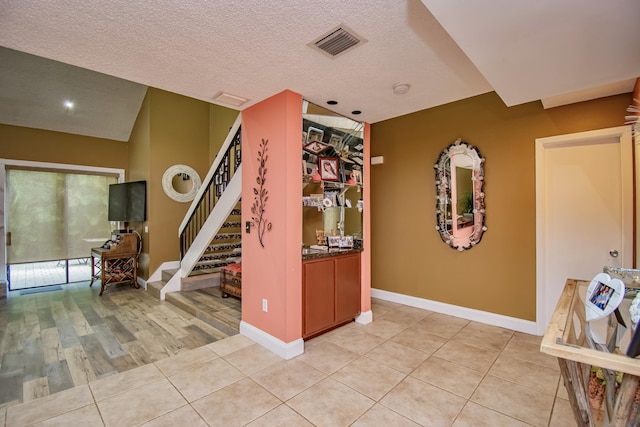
[225, 249]
[211, 232]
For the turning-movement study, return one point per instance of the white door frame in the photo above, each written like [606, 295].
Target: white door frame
[623, 134]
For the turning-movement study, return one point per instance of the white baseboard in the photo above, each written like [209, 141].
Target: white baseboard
[285, 350]
[513, 323]
[142, 283]
[157, 275]
[365, 317]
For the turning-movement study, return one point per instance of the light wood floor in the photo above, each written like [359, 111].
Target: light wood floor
[52, 341]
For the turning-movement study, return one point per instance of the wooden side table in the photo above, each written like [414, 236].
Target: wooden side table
[566, 339]
[116, 264]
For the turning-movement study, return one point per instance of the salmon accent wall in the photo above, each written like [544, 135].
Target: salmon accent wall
[274, 273]
[365, 256]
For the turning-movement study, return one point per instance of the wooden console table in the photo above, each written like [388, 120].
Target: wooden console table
[566, 339]
[116, 264]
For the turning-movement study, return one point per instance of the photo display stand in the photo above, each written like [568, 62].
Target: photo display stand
[603, 297]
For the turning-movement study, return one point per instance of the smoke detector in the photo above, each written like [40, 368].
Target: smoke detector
[401, 88]
[337, 41]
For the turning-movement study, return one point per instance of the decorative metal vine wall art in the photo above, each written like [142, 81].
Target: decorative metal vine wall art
[261, 194]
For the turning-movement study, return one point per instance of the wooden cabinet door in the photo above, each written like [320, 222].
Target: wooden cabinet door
[318, 296]
[347, 287]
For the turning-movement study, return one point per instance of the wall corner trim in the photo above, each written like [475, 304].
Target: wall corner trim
[520, 325]
[365, 317]
[285, 350]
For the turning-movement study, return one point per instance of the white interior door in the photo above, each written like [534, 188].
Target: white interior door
[584, 199]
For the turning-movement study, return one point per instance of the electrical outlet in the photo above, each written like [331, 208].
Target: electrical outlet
[265, 306]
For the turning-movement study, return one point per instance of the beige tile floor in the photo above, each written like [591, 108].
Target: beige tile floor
[409, 367]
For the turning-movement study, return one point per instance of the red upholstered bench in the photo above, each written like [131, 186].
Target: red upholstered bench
[231, 280]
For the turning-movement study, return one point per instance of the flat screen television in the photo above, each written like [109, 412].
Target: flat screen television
[128, 201]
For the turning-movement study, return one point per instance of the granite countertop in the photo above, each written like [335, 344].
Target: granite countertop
[308, 254]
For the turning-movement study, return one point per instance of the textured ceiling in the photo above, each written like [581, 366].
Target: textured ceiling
[446, 51]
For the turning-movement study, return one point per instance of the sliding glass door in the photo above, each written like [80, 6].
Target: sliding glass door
[53, 219]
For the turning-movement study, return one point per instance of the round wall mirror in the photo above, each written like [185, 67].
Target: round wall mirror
[181, 183]
[460, 208]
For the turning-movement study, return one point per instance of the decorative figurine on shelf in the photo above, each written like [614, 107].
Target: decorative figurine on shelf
[352, 178]
[316, 175]
[321, 237]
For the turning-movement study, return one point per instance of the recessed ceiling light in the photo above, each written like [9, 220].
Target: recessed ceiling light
[356, 112]
[332, 102]
[68, 105]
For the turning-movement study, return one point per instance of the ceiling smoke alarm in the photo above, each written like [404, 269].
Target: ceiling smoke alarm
[401, 88]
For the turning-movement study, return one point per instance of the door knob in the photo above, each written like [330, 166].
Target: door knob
[613, 253]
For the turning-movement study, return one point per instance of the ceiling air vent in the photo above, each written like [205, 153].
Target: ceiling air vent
[227, 98]
[337, 41]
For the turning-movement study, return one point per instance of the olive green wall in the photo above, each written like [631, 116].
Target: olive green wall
[220, 121]
[139, 170]
[497, 275]
[178, 133]
[170, 129]
[37, 145]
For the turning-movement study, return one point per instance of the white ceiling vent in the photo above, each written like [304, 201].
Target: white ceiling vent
[337, 41]
[227, 98]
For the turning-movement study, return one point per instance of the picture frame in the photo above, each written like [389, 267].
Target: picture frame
[333, 241]
[316, 147]
[329, 168]
[310, 167]
[314, 134]
[604, 295]
[346, 242]
[335, 139]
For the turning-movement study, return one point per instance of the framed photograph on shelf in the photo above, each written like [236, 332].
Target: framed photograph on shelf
[316, 147]
[335, 139]
[346, 242]
[329, 168]
[334, 241]
[314, 134]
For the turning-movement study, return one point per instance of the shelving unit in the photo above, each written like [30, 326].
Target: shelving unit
[331, 209]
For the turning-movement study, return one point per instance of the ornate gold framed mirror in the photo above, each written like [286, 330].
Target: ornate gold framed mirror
[460, 207]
